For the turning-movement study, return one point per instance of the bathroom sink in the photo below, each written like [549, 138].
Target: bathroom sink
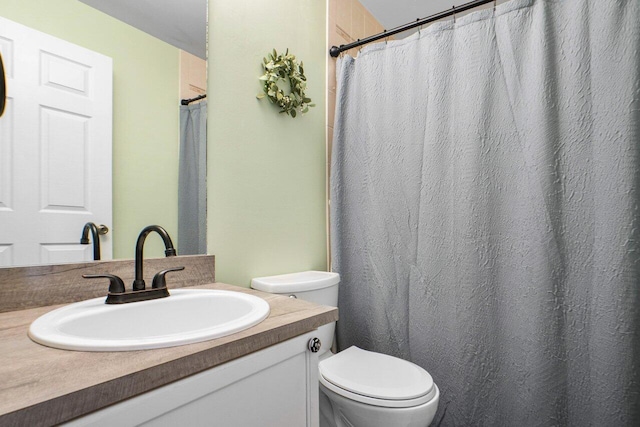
[187, 316]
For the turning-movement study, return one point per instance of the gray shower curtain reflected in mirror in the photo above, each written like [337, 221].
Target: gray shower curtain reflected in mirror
[192, 186]
[485, 210]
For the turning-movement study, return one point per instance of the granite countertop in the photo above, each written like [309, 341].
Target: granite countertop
[45, 386]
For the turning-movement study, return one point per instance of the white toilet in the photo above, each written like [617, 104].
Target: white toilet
[358, 388]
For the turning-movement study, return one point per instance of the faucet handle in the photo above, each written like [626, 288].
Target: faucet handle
[159, 281]
[116, 285]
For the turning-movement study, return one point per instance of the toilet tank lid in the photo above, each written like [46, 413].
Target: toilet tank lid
[296, 282]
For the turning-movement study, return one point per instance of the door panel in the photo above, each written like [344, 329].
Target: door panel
[55, 148]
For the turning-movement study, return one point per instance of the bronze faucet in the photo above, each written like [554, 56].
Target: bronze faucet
[96, 231]
[117, 293]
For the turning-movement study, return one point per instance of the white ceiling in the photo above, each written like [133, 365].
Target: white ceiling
[182, 23]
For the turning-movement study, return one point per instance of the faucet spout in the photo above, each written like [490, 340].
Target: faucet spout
[138, 283]
[84, 240]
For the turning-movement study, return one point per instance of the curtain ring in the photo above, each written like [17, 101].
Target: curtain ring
[454, 14]
[495, 3]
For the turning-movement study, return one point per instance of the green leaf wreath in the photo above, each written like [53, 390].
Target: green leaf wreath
[285, 67]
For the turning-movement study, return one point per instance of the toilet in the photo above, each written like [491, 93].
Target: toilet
[358, 388]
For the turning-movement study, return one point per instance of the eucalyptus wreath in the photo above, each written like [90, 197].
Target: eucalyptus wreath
[283, 68]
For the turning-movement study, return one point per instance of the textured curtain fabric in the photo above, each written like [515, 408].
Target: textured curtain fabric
[485, 193]
[192, 181]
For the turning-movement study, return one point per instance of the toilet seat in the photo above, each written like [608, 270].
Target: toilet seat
[376, 379]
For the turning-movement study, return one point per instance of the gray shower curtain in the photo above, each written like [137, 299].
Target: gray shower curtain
[192, 180]
[485, 214]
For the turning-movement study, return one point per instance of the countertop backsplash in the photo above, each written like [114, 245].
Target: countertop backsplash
[37, 286]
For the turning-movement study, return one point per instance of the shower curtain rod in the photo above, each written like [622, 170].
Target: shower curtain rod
[189, 101]
[335, 50]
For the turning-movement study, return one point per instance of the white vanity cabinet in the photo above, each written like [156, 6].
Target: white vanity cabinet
[273, 387]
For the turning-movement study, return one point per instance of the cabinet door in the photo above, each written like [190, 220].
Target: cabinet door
[274, 387]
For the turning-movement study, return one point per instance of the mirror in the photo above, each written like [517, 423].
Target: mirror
[146, 99]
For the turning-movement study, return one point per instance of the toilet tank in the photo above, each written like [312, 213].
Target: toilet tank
[320, 287]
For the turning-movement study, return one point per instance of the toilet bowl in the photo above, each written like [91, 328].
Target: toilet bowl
[358, 388]
[363, 388]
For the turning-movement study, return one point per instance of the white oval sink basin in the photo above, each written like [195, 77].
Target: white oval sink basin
[187, 316]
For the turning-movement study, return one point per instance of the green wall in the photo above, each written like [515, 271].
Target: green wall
[145, 113]
[266, 173]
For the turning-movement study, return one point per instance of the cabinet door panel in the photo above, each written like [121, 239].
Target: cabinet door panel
[274, 387]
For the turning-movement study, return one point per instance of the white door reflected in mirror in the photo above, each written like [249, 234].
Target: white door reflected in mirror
[55, 148]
